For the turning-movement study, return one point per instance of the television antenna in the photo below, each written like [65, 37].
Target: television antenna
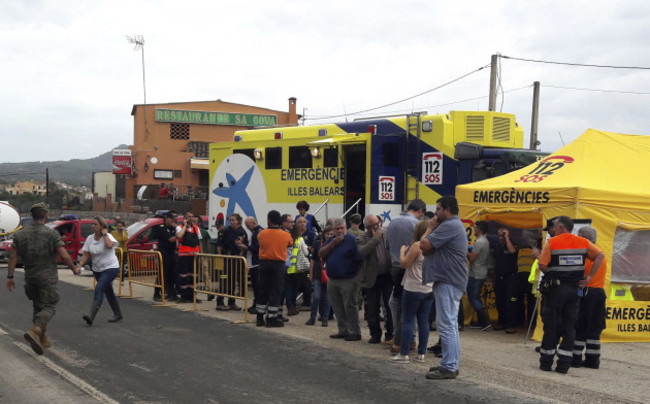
[138, 41]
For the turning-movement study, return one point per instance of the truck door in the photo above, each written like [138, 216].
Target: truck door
[387, 171]
[354, 162]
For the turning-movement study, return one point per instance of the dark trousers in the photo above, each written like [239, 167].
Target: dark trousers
[304, 287]
[525, 299]
[228, 283]
[590, 324]
[291, 289]
[185, 276]
[559, 315]
[505, 294]
[379, 292]
[254, 273]
[271, 288]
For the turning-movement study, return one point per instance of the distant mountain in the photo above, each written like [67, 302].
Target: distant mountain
[74, 172]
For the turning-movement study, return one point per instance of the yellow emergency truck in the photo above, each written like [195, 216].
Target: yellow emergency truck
[370, 166]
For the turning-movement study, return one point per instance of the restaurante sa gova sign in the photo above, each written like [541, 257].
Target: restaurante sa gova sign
[214, 118]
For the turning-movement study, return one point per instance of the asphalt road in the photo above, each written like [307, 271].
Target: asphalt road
[162, 355]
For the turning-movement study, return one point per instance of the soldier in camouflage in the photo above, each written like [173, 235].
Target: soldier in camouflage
[38, 247]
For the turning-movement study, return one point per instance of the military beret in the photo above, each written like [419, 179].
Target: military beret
[40, 205]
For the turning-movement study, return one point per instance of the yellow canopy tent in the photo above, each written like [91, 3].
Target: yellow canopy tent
[600, 176]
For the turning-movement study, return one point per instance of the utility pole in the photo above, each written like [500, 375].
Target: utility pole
[47, 185]
[534, 118]
[493, 83]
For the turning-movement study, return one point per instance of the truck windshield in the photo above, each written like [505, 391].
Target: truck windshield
[494, 166]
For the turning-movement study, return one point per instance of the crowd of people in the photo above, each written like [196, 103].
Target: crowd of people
[402, 274]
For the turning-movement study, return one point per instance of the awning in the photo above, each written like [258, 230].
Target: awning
[200, 164]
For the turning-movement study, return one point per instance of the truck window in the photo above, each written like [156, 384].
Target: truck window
[390, 155]
[86, 229]
[299, 157]
[331, 157]
[273, 158]
[247, 152]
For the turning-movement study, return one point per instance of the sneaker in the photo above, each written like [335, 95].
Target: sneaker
[311, 321]
[420, 358]
[324, 323]
[487, 327]
[441, 373]
[234, 307]
[434, 368]
[251, 310]
[435, 349]
[222, 307]
[388, 342]
[399, 358]
[374, 340]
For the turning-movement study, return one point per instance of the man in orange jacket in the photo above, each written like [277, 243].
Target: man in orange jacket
[563, 262]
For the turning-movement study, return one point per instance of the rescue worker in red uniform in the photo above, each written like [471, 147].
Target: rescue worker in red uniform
[563, 262]
[591, 317]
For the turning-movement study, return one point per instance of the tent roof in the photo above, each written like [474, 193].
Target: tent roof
[598, 168]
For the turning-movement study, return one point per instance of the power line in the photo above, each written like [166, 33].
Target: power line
[400, 101]
[596, 90]
[575, 64]
[399, 111]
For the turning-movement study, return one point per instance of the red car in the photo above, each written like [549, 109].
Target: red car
[73, 232]
[140, 233]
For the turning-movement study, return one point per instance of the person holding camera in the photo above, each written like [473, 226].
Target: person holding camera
[189, 244]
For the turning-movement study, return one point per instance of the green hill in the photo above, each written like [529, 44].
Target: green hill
[74, 172]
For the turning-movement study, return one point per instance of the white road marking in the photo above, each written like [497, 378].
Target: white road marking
[93, 392]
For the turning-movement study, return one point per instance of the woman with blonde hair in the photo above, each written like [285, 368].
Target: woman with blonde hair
[101, 247]
[416, 297]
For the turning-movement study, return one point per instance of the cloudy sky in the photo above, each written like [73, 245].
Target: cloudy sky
[69, 78]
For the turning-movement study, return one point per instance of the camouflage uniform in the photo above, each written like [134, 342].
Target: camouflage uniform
[37, 247]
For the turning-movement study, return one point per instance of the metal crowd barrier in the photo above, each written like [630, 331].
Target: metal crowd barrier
[222, 275]
[146, 269]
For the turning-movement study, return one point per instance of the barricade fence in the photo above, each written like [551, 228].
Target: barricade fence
[146, 268]
[222, 276]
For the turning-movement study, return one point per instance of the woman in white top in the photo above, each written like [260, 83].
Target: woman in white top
[101, 247]
[416, 298]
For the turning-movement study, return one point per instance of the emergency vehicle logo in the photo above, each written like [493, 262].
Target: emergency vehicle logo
[545, 168]
[234, 176]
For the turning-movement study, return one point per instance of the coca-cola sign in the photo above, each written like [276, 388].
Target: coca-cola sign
[122, 161]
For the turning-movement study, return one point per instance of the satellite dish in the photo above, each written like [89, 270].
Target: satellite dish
[9, 219]
[141, 192]
[154, 160]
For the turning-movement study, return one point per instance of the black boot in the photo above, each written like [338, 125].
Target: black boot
[93, 312]
[117, 313]
[260, 320]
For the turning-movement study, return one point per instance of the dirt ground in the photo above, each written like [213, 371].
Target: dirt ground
[490, 359]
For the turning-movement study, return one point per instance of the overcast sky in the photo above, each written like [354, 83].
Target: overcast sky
[69, 78]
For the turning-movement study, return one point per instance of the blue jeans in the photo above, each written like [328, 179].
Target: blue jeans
[414, 305]
[447, 301]
[104, 284]
[319, 301]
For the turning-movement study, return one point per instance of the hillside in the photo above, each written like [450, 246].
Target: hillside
[74, 172]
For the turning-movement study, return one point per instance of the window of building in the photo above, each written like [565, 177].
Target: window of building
[331, 157]
[300, 157]
[163, 174]
[273, 158]
[179, 131]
